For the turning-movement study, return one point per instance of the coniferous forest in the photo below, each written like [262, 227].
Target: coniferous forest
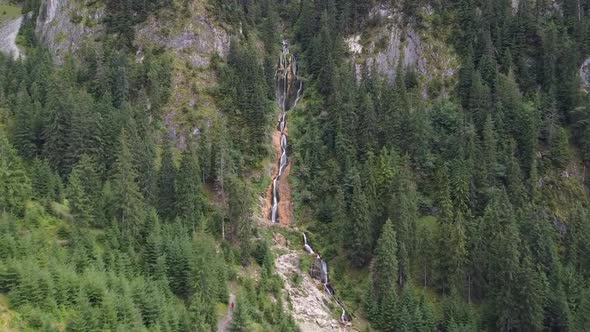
[439, 206]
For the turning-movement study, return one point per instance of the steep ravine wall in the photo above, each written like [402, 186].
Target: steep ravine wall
[64, 25]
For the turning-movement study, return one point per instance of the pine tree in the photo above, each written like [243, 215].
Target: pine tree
[465, 80]
[489, 152]
[167, 184]
[514, 180]
[559, 152]
[578, 241]
[144, 151]
[57, 130]
[389, 311]
[153, 246]
[41, 180]
[15, 186]
[24, 137]
[532, 297]
[405, 212]
[479, 105]
[501, 259]
[189, 200]
[79, 201]
[582, 316]
[358, 231]
[129, 209]
[239, 216]
[384, 269]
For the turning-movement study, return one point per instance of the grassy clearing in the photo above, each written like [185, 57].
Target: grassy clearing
[8, 12]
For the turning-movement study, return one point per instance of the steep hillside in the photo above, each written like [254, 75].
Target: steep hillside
[191, 38]
[294, 165]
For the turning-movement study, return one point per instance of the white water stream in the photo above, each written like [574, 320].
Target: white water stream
[288, 92]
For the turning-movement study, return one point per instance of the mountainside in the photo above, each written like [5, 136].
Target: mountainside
[294, 165]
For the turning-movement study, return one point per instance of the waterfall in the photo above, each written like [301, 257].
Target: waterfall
[319, 270]
[306, 246]
[286, 83]
[288, 92]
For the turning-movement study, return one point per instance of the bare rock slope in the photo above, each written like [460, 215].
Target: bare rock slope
[64, 25]
[308, 300]
[8, 32]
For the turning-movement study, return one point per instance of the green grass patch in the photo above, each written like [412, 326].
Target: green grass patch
[9, 12]
[220, 310]
[60, 37]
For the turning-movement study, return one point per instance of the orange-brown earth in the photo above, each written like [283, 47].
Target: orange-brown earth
[285, 211]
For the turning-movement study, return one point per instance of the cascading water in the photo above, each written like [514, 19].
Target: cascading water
[288, 92]
[319, 271]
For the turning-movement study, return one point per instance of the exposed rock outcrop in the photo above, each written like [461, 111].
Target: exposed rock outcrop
[8, 32]
[63, 25]
[308, 298]
[197, 41]
[193, 40]
[396, 40]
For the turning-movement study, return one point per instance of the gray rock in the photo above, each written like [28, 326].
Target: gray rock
[8, 32]
[397, 42]
[197, 41]
[62, 25]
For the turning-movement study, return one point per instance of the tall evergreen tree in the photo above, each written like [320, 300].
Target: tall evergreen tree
[357, 236]
[167, 184]
[384, 269]
[129, 209]
[15, 185]
[78, 198]
[189, 198]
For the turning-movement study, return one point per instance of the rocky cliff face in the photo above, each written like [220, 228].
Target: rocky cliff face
[394, 42]
[8, 32]
[63, 25]
[193, 39]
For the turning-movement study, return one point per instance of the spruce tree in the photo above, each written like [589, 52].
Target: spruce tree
[357, 235]
[389, 311]
[167, 184]
[384, 269]
[15, 185]
[405, 212]
[189, 197]
[559, 152]
[582, 316]
[79, 201]
[129, 209]
[24, 137]
[479, 104]
[57, 128]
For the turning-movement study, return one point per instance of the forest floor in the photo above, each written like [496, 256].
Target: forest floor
[223, 323]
